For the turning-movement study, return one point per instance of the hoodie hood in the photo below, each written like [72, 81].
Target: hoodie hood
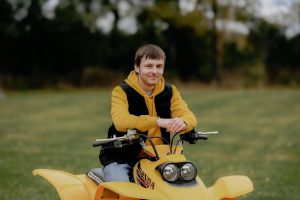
[133, 81]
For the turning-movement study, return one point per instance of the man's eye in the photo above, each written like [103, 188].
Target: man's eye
[159, 66]
[148, 66]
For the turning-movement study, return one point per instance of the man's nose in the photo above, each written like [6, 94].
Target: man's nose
[154, 69]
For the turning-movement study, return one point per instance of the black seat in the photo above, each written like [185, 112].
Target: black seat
[96, 175]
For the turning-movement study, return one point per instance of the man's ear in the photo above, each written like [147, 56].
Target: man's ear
[136, 69]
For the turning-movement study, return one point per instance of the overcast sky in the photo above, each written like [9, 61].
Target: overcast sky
[271, 7]
[282, 12]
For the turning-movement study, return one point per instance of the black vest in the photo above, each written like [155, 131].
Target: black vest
[136, 106]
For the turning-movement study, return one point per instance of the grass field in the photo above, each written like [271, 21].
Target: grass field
[259, 137]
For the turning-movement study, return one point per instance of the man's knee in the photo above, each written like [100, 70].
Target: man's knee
[117, 172]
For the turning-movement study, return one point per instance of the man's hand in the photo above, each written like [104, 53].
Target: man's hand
[176, 125]
[172, 125]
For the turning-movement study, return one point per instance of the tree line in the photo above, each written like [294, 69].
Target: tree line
[37, 51]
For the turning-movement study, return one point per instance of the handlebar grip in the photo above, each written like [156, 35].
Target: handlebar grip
[201, 136]
[99, 143]
[193, 136]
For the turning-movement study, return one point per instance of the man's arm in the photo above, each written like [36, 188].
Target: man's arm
[180, 111]
[182, 119]
[121, 117]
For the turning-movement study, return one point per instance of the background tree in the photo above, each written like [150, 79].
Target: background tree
[85, 43]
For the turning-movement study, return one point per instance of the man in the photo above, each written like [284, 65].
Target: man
[146, 103]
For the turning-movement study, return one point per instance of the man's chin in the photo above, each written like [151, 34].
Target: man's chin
[153, 82]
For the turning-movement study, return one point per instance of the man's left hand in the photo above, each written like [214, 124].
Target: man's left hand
[176, 125]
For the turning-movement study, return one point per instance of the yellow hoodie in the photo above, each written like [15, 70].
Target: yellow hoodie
[123, 120]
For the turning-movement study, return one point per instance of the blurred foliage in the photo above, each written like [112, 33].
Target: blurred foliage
[39, 51]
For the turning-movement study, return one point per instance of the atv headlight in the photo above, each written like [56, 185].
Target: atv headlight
[188, 171]
[170, 172]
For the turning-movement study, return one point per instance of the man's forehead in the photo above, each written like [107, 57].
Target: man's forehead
[152, 60]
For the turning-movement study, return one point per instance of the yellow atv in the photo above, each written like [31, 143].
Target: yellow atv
[162, 174]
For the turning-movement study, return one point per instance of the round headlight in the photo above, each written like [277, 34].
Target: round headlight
[170, 172]
[188, 172]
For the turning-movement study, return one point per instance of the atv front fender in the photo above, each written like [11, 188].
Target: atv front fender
[69, 186]
[126, 190]
[230, 187]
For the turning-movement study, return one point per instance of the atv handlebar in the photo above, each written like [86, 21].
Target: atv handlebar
[193, 136]
[204, 135]
[100, 142]
[132, 135]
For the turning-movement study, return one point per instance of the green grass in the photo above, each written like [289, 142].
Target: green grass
[259, 137]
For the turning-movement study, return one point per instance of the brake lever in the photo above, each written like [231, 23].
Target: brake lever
[209, 133]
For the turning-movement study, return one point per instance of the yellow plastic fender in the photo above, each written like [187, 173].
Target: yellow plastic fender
[69, 186]
[128, 189]
[230, 187]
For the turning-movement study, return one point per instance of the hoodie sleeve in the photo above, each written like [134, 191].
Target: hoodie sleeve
[121, 117]
[180, 109]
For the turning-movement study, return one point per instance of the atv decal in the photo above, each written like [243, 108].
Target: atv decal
[94, 177]
[143, 179]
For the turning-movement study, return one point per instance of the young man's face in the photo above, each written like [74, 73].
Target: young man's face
[149, 72]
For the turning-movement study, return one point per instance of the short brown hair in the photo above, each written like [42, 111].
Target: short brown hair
[149, 51]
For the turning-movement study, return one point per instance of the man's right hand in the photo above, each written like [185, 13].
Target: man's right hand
[163, 123]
